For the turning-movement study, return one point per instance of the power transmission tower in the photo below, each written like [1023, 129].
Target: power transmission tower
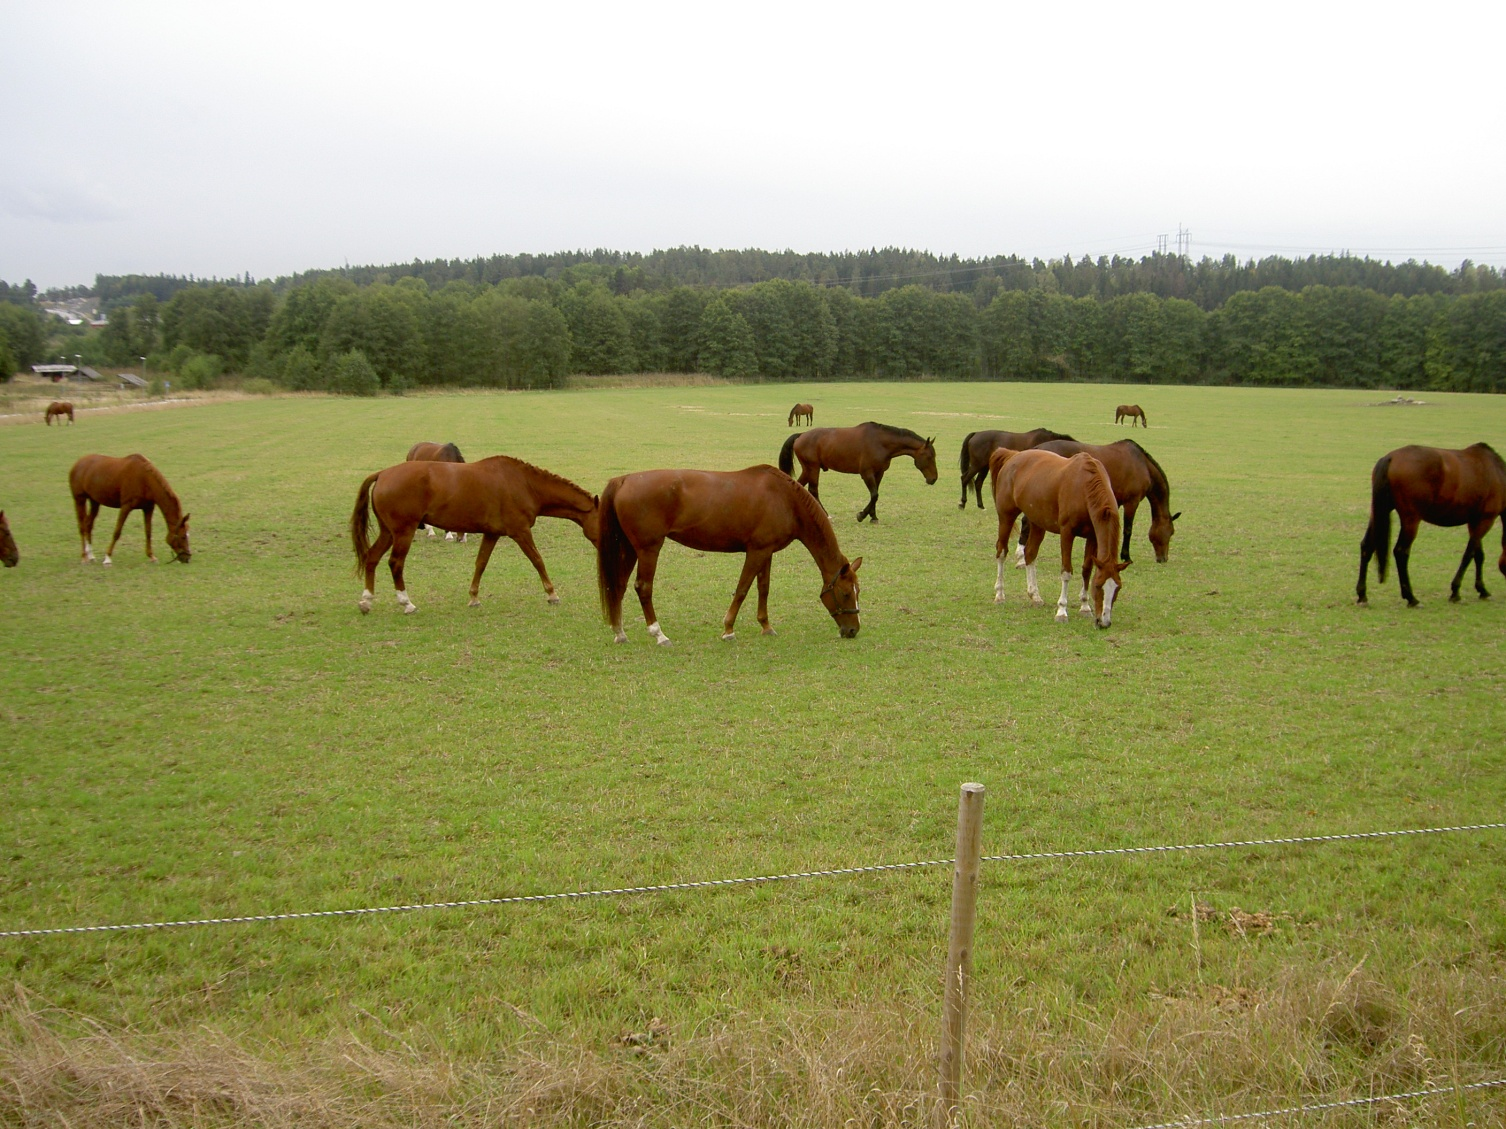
[1161, 244]
[1184, 242]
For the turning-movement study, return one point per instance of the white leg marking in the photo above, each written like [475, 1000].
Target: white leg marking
[1084, 604]
[999, 582]
[463, 536]
[106, 560]
[554, 597]
[1019, 555]
[432, 534]
[729, 636]
[1031, 589]
[449, 536]
[1109, 588]
[364, 603]
[619, 636]
[658, 633]
[408, 606]
[1061, 603]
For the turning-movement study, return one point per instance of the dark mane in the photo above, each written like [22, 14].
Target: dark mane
[1050, 436]
[901, 432]
[1494, 457]
[459, 458]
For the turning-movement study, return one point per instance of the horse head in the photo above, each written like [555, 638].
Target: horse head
[840, 595]
[1106, 586]
[10, 556]
[1162, 526]
[591, 524]
[925, 461]
[177, 540]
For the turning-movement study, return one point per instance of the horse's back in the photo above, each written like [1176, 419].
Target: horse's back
[1444, 486]
[705, 509]
[106, 478]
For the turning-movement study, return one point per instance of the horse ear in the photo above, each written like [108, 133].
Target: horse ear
[596, 500]
[1176, 515]
[853, 566]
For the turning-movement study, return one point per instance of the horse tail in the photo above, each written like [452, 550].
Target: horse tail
[787, 454]
[360, 538]
[966, 464]
[615, 555]
[1378, 536]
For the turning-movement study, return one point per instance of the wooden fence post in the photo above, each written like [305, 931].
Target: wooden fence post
[959, 957]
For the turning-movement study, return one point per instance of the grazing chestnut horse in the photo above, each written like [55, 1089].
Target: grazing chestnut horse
[801, 412]
[436, 453]
[59, 408]
[979, 445]
[131, 483]
[1440, 487]
[10, 556]
[495, 497]
[864, 450]
[756, 511]
[1069, 497]
[1133, 412]
[1135, 475]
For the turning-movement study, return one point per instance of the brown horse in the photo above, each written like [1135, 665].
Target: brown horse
[1135, 476]
[756, 511]
[864, 450]
[1440, 487]
[10, 556]
[495, 497]
[979, 445]
[1132, 412]
[1070, 497]
[801, 412]
[59, 408]
[436, 453]
[131, 483]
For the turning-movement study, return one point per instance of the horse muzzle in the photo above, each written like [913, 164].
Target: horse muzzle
[848, 632]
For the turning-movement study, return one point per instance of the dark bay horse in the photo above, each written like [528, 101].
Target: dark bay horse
[495, 497]
[10, 556]
[1135, 476]
[1069, 497]
[1132, 412]
[436, 453]
[131, 483]
[1440, 487]
[864, 450]
[979, 445]
[757, 511]
[801, 412]
[59, 408]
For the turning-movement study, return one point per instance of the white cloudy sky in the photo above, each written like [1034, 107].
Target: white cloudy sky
[221, 138]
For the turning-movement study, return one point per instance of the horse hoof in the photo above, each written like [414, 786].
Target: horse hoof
[1484, 595]
[107, 562]
[662, 640]
[1362, 602]
[1414, 603]
[770, 631]
[152, 560]
[365, 607]
[619, 638]
[1061, 617]
[1037, 602]
[409, 609]
[449, 537]
[553, 599]
[475, 603]
[1453, 597]
[729, 636]
[998, 599]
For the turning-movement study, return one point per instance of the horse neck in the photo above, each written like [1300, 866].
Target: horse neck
[813, 530]
[1159, 494]
[1104, 515]
[911, 445]
[559, 497]
[164, 498]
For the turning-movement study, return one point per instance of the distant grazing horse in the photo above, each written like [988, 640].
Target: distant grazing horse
[756, 511]
[1135, 475]
[10, 556]
[1072, 498]
[495, 497]
[979, 445]
[436, 453]
[131, 483]
[1132, 412]
[1440, 487]
[801, 412]
[864, 450]
[59, 408]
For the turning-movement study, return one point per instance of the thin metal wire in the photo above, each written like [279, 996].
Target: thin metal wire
[713, 883]
[1319, 1107]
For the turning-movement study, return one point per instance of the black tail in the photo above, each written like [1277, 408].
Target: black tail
[615, 556]
[360, 537]
[966, 464]
[1378, 536]
[787, 454]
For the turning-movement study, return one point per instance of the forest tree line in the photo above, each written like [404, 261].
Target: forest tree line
[532, 330]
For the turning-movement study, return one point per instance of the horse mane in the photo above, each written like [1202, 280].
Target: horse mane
[805, 505]
[161, 488]
[451, 447]
[1099, 494]
[901, 432]
[546, 475]
[1158, 476]
[1500, 463]
[1049, 436]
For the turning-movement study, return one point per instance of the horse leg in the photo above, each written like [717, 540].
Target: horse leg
[484, 554]
[146, 516]
[754, 565]
[1032, 550]
[648, 564]
[1001, 547]
[1061, 603]
[1402, 553]
[401, 542]
[125, 512]
[1129, 524]
[1019, 555]
[524, 538]
[763, 596]
[810, 478]
[374, 558]
[966, 478]
[1367, 550]
[1473, 552]
[871, 479]
[85, 526]
[1089, 553]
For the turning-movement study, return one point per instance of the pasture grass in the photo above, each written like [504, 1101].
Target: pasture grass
[232, 737]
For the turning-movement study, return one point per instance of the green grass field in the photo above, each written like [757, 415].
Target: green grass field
[232, 737]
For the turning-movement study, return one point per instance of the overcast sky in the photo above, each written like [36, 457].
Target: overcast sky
[220, 138]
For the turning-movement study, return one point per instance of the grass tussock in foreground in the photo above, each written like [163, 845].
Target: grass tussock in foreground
[1210, 1049]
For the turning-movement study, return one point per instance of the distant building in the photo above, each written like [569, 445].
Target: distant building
[130, 380]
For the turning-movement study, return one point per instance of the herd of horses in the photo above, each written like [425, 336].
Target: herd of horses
[1041, 480]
